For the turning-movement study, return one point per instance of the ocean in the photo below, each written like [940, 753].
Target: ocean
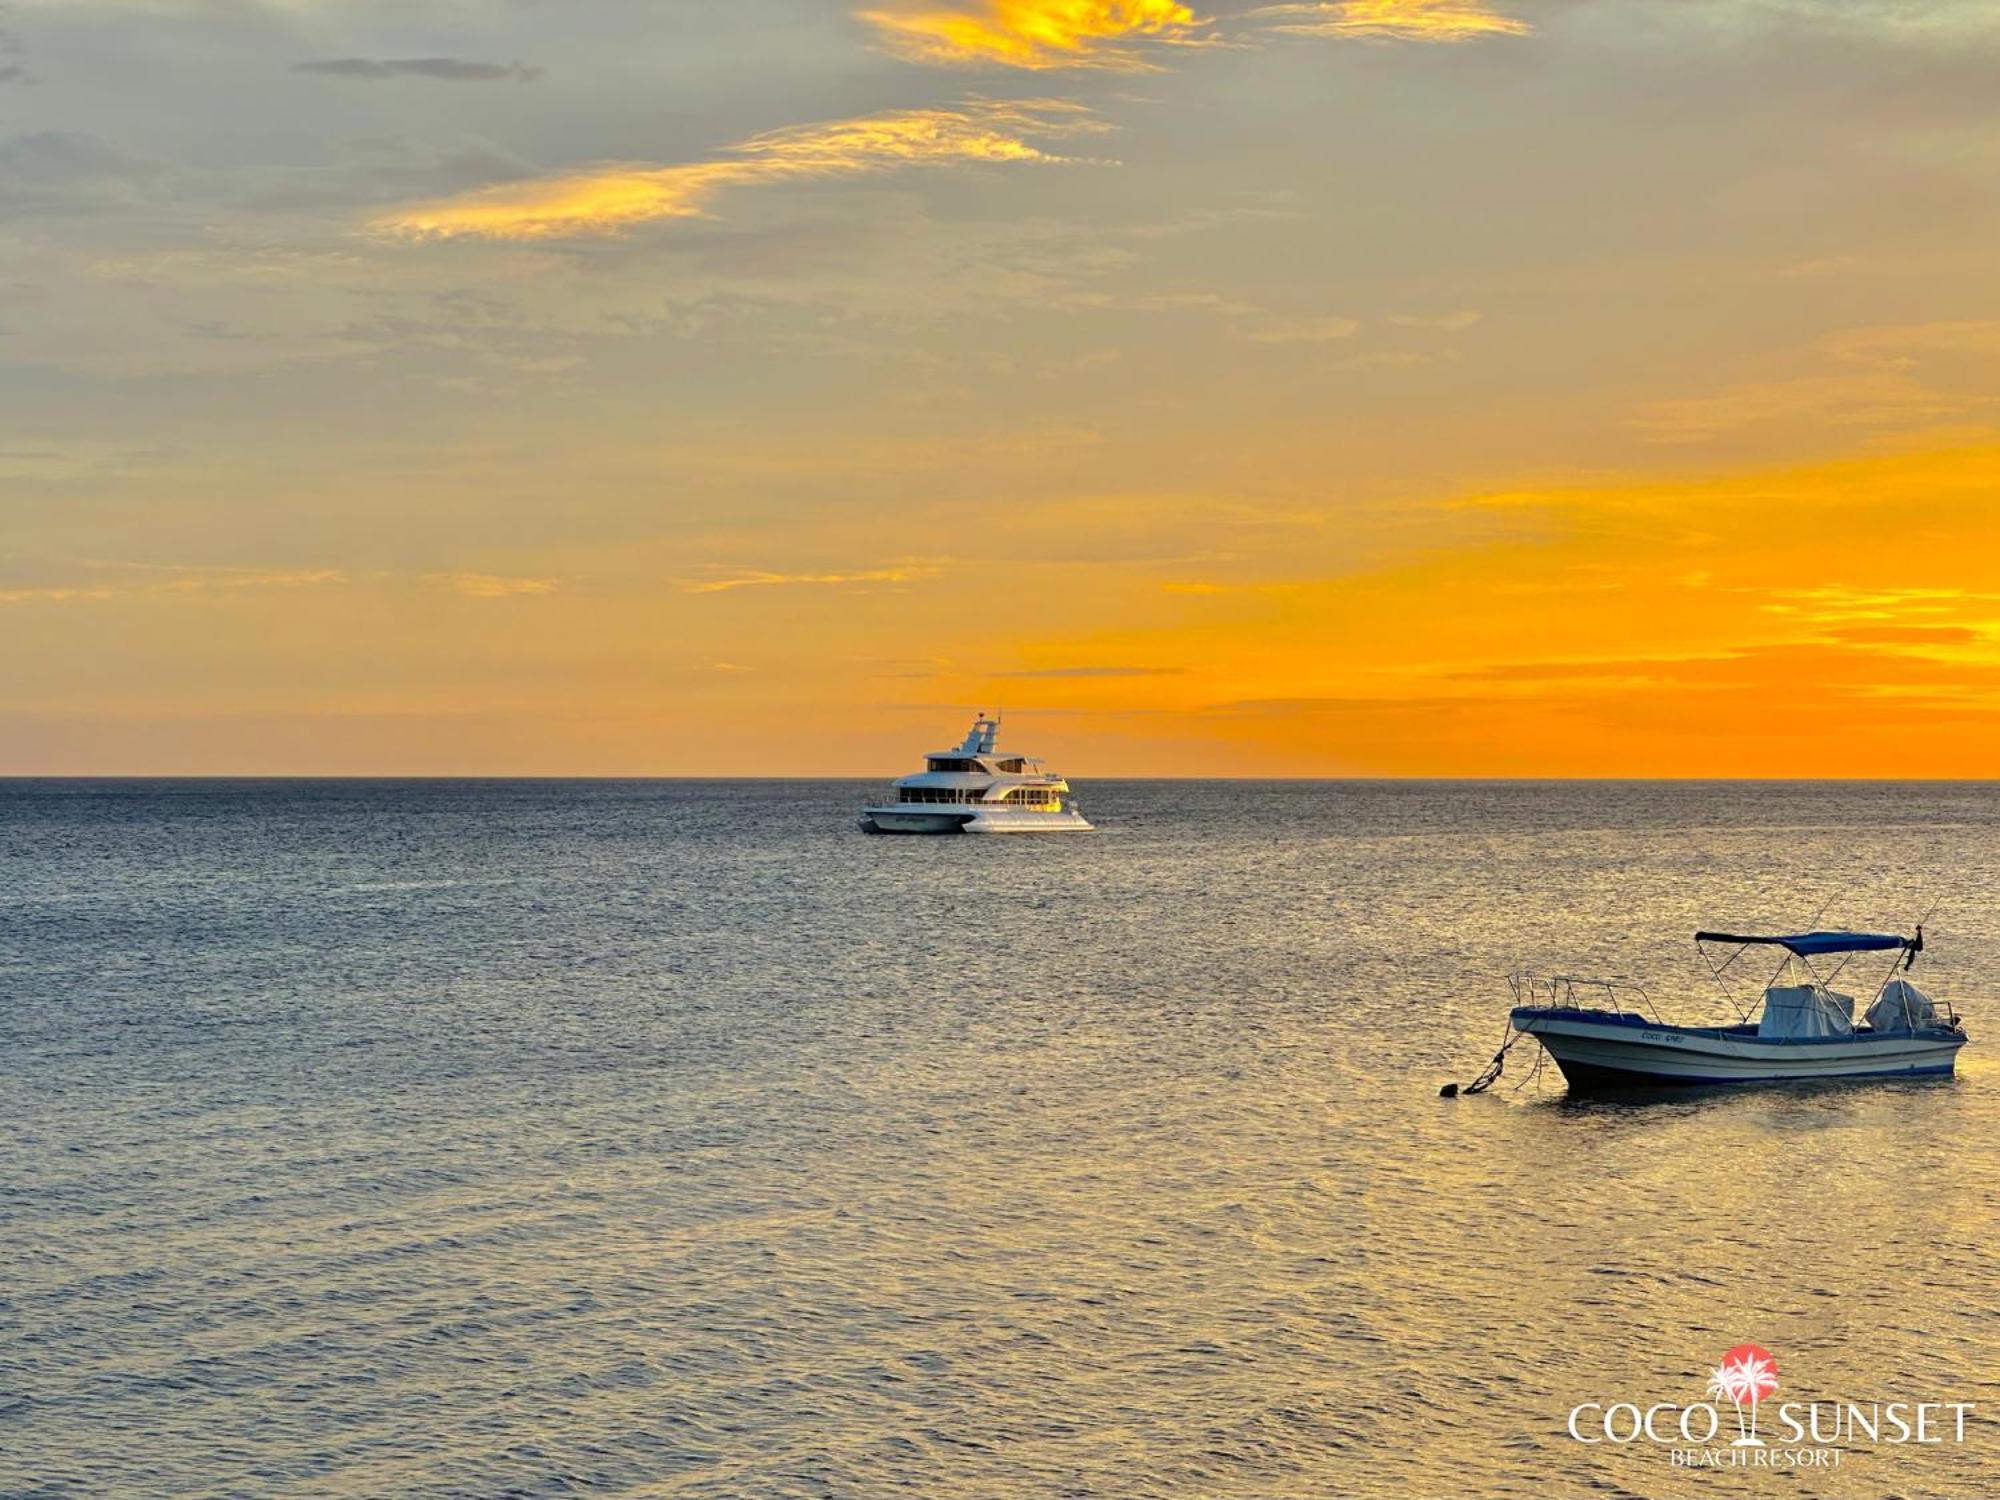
[672, 1138]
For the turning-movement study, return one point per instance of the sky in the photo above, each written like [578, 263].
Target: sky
[762, 387]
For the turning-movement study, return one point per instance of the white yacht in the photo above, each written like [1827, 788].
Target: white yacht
[976, 789]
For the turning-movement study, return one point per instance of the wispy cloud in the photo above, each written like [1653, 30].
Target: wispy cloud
[1399, 359]
[11, 71]
[1099, 672]
[1875, 383]
[1392, 20]
[1033, 34]
[493, 585]
[1909, 635]
[444, 69]
[758, 579]
[1822, 265]
[1246, 320]
[1451, 322]
[1842, 604]
[1273, 329]
[1206, 586]
[1902, 346]
[1886, 397]
[181, 578]
[610, 197]
[125, 580]
[50, 596]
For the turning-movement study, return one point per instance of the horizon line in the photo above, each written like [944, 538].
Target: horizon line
[724, 776]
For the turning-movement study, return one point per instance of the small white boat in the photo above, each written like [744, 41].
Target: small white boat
[976, 789]
[1806, 1029]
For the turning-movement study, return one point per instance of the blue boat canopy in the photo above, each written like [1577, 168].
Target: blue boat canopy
[1811, 944]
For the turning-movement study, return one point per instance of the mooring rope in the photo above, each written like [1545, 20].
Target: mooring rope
[1494, 1069]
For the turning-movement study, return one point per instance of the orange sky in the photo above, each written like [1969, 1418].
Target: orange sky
[1396, 387]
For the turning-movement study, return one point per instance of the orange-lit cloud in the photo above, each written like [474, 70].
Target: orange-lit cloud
[1034, 34]
[1899, 347]
[1296, 330]
[50, 595]
[493, 585]
[1396, 20]
[1839, 604]
[610, 197]
[1874, 384]
[146, 581]
[1859, 400]
[760, 579]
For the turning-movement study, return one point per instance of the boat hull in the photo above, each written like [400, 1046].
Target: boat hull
[1028, 822]
[969, 820]
[895, 820]
[1600, 1051]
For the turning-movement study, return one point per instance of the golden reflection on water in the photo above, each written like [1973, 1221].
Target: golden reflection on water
[671, 1140]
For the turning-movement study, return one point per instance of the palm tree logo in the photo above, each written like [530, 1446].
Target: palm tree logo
[1746, 1375]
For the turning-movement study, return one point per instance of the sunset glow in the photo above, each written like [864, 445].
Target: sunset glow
[1032, 34]
[1388, 387]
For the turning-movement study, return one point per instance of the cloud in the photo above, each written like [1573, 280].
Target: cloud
[1291, 330]
[1897, 346]
[62, 171]
[144, 581]
[757, 579]
[1832, 669]
[1033, 34]
[492, 585]
[447, 69]
[10, 47]
[1392, 20]
[1875, 399]
[182, 579]
[1874, 386]
[1399, 359]
[1451, 322]
[611, 197]
[1838, 604]
[1247, 320]
[1908, 635]
[1099, 672]
[50, 596]
[1823, 265]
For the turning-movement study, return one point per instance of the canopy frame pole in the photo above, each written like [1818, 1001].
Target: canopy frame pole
[1716, 971]
[1779, 973]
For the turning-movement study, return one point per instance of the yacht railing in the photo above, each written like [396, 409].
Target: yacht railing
[1051, 804]
[1577, 992]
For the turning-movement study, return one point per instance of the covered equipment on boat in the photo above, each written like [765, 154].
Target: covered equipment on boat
[1901, 1007]
[1794, 1011]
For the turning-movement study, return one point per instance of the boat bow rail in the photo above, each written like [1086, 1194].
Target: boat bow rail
[1581, 993]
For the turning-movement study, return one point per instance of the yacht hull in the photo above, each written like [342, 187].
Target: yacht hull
[969, 820]
[1028, 822]
[894, 820]
[1612, 1051]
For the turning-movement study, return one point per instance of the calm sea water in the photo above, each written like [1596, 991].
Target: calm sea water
[654, 1138]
